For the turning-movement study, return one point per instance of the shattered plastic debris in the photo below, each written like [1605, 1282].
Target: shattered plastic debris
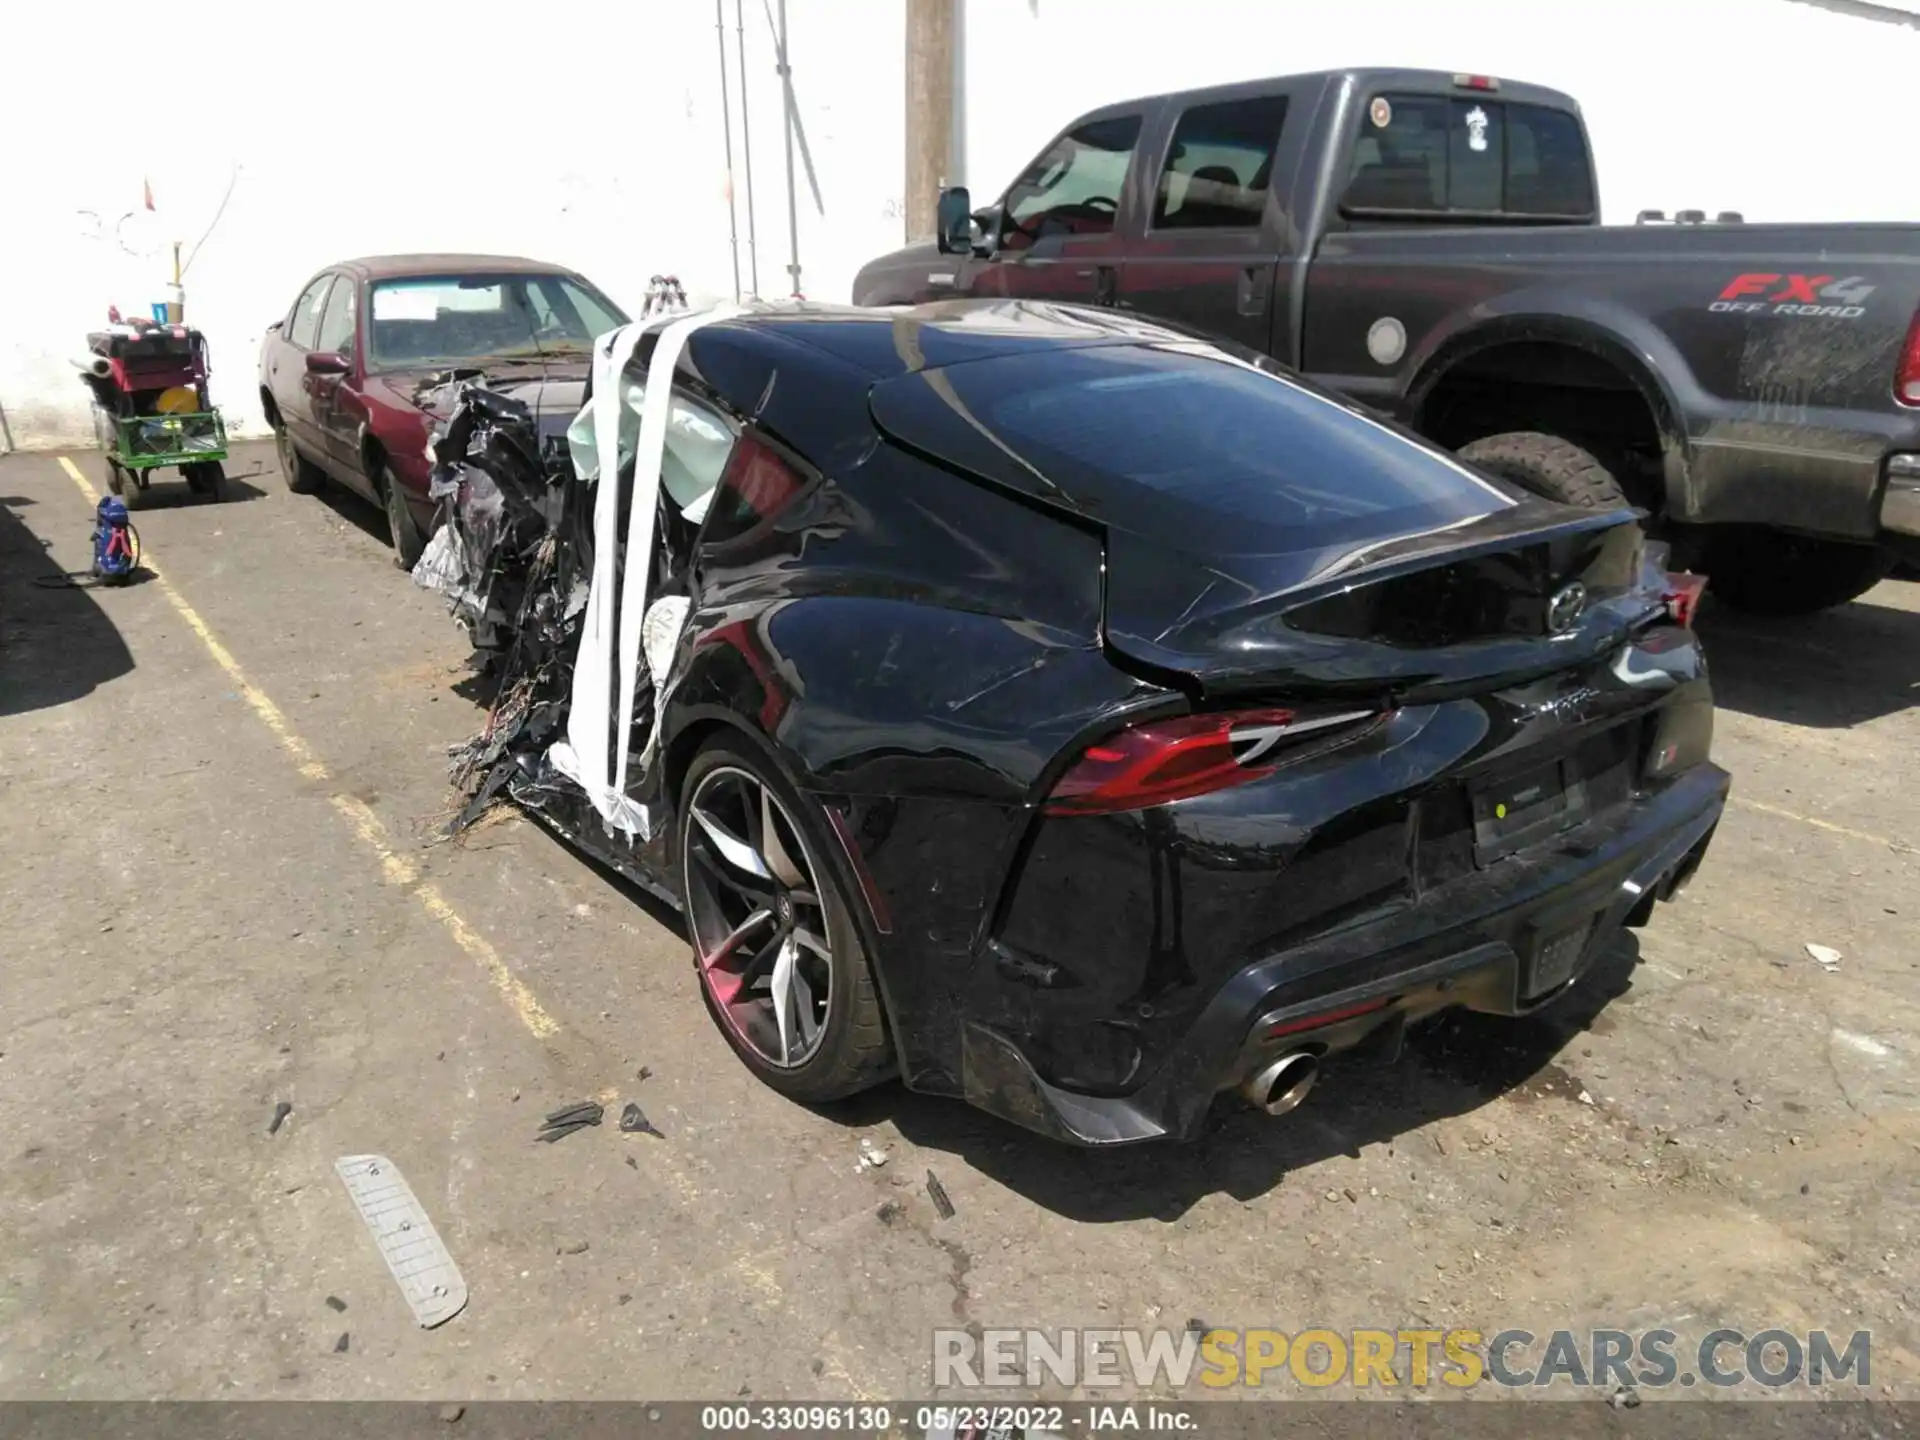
[404, 1235]
[280, 1113]
[504, 493]
[937, 1193]
[872, 1156]
[1826, 955]
[564, 1121]
[633, 1121]
[513, 556]
[660, 633]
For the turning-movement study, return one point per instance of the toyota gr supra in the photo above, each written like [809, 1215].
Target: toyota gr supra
[1089, 720]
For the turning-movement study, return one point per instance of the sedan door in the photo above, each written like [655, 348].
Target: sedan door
[1061, 224]
[338, 407]
[287, 368]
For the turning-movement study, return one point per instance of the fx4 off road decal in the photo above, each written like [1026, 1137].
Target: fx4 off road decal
[1768, 294]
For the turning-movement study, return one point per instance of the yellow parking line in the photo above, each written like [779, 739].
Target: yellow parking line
[1762, 808]
[400, 871]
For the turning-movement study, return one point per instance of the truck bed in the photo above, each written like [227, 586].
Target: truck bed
[1771, 349]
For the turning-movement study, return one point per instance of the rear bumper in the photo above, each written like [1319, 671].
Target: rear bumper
[1469, 946]
[1818, 472]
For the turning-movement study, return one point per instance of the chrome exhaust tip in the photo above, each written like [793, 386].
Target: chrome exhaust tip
[1282, 1084]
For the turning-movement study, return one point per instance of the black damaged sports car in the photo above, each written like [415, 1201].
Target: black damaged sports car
[1086, 719]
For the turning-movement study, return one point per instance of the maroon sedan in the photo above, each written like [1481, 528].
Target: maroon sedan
[354, 376]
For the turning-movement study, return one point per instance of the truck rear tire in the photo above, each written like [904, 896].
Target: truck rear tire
[1769, 572]
[1547, 465]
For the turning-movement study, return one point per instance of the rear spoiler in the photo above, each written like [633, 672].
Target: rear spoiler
[1413, 619]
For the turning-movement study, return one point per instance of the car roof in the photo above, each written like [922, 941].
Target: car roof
[381, 267]
[885, 341]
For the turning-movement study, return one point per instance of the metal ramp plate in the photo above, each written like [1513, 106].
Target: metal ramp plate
[405, 1237]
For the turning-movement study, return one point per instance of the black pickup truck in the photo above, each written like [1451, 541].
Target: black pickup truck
[1429, 244]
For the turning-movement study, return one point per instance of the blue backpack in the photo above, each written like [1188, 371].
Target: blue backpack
[116, 544]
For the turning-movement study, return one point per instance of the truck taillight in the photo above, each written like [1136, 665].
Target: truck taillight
[1166, 760]
[1476, 82]
[1906, 379]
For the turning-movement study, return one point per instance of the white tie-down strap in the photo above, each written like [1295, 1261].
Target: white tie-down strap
[616, 601]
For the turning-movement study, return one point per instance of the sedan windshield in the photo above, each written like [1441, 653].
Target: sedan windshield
[433, 320]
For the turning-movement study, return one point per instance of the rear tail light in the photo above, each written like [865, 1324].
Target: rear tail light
[1906, 379]
[1177, 759]
[1683, 597]
[1476, 82]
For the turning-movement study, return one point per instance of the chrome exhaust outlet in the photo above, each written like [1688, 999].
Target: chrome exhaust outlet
[1282, 1084]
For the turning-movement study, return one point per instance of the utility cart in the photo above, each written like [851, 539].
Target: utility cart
[150, 407]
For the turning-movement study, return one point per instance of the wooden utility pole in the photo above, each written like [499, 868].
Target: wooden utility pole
[929, 114]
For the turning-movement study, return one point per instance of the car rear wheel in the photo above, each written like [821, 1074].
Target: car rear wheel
[1769, 572]
[781, 964]
[1549, 466]
[302, 477]
[408, 544]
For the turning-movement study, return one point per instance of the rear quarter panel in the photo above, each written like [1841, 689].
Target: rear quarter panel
[916, 650]
[1767, 351]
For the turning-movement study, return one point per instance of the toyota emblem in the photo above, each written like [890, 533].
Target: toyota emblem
[1565, 608]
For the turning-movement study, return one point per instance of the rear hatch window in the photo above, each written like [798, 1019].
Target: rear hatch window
[1428, 155]
[1185, 445]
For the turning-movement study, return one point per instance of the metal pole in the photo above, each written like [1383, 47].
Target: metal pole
[793, 200]
[746, 142]
[726, 130]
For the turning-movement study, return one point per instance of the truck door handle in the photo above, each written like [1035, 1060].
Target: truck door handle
[1256, 282]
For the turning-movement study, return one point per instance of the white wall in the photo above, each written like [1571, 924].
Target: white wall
[1778, 110]
[590, 133]
[586, 133]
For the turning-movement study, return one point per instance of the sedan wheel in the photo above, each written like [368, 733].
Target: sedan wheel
[408, 545]
[779, 956]
[301, 478]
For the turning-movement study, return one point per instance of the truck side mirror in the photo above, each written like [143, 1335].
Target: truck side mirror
[953, 221]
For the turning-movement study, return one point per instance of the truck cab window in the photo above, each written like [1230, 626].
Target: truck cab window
[1220, 165]
[1074, 187]
[1471, 155]
[1547, 168]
